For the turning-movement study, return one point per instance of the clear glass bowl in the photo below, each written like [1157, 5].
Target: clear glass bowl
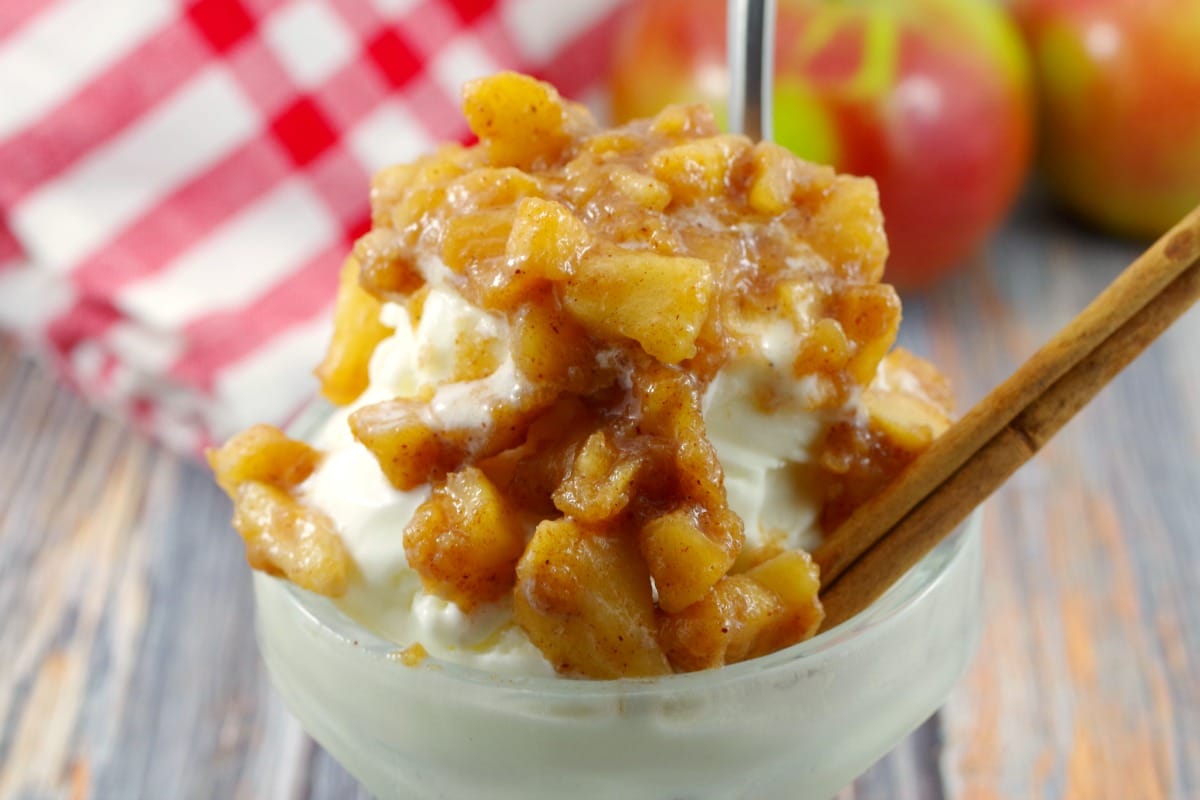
[800, 723]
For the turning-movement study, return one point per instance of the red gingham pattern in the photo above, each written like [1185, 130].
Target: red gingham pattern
[179, 184]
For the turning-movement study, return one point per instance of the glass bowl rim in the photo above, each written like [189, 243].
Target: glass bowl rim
[336, 626]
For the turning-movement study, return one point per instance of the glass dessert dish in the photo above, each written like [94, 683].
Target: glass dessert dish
[599, 394]
[799, 723]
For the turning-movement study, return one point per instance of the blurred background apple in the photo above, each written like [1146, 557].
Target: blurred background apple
[1119, 86]
[929, 97]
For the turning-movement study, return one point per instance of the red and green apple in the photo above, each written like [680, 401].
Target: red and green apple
[1119, 107]
[929, 97]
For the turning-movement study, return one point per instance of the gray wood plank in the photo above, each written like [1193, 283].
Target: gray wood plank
[1085, 684]
[131, 669]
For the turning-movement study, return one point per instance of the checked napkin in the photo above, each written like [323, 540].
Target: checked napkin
[180, 182]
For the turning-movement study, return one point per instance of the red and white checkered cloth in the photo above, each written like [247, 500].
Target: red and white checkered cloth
[179, 183]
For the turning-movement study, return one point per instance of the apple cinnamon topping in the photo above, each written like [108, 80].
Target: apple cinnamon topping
[628, 267]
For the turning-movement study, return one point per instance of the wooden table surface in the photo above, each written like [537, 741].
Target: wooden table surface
[128, 666]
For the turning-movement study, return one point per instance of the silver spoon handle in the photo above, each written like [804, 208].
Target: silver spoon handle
[750, 26]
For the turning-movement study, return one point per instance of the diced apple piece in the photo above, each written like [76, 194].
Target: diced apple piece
[611, 141]
[464, 541]
[753, 555]
[529, 473]
[870, 316]
[600, 483]
[410, 452]
[699, 169]
[388, 187]
[519, 120]
[824, 349]
[794, 578]
[413, 447]
[670, 410]
[542, 240]
[493, 187]
[909, 423]
[648, 192]
[476, 237]
[772, 606]
[584, 600]
[502, 285]
[658, 301]
[546, 239]
[690, 121]
[423, 189]
[284, 537]
[356, 332]
[722, 627]
[387, 269]
[779, 179]
[683, 561]
[264, 454]
[909, 402]
[551, 348]
[412, 656]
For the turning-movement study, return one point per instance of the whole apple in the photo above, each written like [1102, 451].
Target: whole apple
[1119, 89]
[929, 97]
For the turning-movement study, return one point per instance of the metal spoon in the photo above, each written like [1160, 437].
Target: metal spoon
[750, 39]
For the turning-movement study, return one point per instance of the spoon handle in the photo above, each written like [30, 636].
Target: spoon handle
[750, 26]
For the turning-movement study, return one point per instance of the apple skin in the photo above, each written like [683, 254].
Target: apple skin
[931, 98]
[1119, 107]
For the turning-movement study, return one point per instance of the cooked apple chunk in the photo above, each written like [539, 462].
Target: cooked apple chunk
[546, 238]
[520, 121]
[356, 332]
[699, 169]
[870, 316]
[847, 229]
[476, 238]
[772, 606]
[409, 450]
[779, 179]
[908, 403]
[387, 269]
[414, 447]
[258, 468]
[551, 348]
[584, 599]
[683, 561]
[465, 540]
[601, 482]
[265, 454]
[794, 579]
[284, 537]
[721, 628]
[658, 301]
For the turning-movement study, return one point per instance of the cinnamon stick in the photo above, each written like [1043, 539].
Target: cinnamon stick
[1144, 279]
[890, 533]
